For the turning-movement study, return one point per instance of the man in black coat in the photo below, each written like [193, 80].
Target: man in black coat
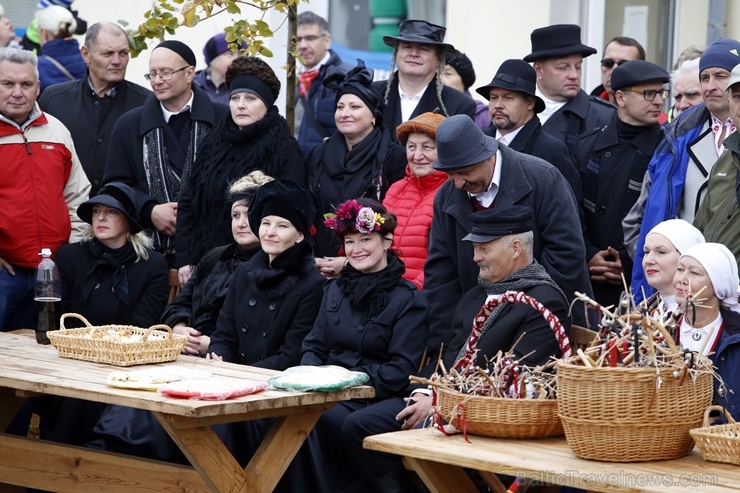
[612, 162]
[91, 106]
[513, 105]
[153, 147]
[502, 239]
[416, 87]
[557, 53]
[484, 175]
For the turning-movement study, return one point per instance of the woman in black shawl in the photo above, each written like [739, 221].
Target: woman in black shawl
[252, 137]
[360, 160]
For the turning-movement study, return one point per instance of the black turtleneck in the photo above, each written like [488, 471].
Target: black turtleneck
[627, 131]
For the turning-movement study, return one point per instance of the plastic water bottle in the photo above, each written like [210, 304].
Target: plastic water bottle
[48, 292]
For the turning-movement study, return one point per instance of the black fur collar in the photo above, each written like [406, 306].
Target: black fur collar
[276, 280]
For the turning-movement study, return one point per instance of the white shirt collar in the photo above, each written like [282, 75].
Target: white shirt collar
[486, 198]
[318, 66]
[693, 338]
[506, 139]
[409, 103]
[167, 114]
[551, 107]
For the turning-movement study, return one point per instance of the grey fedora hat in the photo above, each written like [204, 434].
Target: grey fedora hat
[460, 143]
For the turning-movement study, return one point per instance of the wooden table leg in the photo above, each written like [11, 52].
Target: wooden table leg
[442, 478]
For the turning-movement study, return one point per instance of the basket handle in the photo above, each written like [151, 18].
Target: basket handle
[717, 408]
[156, 327]
[75, 315]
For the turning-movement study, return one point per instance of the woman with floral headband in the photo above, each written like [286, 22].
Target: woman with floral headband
[371, 320]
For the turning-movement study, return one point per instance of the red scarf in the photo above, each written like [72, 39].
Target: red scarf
[305, 79]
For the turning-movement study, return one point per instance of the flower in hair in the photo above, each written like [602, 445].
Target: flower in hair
[368, 221]
[351, 217]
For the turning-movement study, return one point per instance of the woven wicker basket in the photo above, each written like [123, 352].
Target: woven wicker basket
[497, 416]
[87, 343]
[719, 443]
[619, 414]
[500, 417]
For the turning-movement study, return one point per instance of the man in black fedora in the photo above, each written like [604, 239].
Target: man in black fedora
[483, 175]
[416, 87]
[557, 56]
[612, 162]
[513, 106]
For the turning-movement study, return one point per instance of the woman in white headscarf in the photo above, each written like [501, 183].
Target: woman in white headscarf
[664, 244]
[712, 325]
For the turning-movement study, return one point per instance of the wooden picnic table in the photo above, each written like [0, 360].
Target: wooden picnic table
[440, 462]
[28, 369]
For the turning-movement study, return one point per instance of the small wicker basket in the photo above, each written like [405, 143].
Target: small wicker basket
[92, 344]
[622, 415]
[501, 417]
[719, 443]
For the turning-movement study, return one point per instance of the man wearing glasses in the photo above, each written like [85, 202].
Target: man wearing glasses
[676, 179]
[617, 51]
[314, 114]
[153, 147]
[557, 56]
[612, 162]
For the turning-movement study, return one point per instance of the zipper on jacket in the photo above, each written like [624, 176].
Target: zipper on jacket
[28, 146]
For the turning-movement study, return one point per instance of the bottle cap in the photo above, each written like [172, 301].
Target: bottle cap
[45, 252]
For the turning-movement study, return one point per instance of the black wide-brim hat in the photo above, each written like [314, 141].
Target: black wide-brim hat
[558, 40]
[118, 196]
[515, 75]
[286, 199]
[421, 32]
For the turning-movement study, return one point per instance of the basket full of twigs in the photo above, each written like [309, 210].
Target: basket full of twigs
[633, 395]
[510, 401]
[718, 443]
[119, 345]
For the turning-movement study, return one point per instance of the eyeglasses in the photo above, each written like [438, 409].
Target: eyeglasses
[164, 74]
[309, 39]
[610, 62]
[649, 94]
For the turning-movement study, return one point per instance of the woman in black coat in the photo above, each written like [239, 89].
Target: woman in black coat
[112, 277]
[360, 160]
[254, 136]
[371, 320]
[273, 299]
[195, 310]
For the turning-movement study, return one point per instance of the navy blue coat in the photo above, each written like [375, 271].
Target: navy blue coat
[579, 115]
[727, 361]
[67, 53]
[389, 347]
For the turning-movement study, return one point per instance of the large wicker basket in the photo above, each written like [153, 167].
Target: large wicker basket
[497, 416]
[500, 417]
[89, 343]
[719, 443]
[622, 415]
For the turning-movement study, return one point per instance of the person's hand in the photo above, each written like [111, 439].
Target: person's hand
[164, 218]
[184, 273]
[4, 264]
[214, 357]
[330, 267]
[606, 267]
[193, 346]
[416, 411]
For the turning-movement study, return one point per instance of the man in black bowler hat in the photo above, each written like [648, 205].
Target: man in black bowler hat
[502, 242]
[483, 175]
[417, 87]
[513, 106]
[612, 162]
[557, 56]
[153, 147]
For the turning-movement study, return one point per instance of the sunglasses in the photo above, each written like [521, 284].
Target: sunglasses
[610, 62]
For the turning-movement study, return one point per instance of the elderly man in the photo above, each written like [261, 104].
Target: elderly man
[617, 51]
[686, 87]
[90, 107]
[484, 175]
[153, 147]
[315, 104]
[719, 214]
[612, 161]
[513, 106]
[557, 53]
[416, 87]
[677, 174]
[502, 243]
[41, 186]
